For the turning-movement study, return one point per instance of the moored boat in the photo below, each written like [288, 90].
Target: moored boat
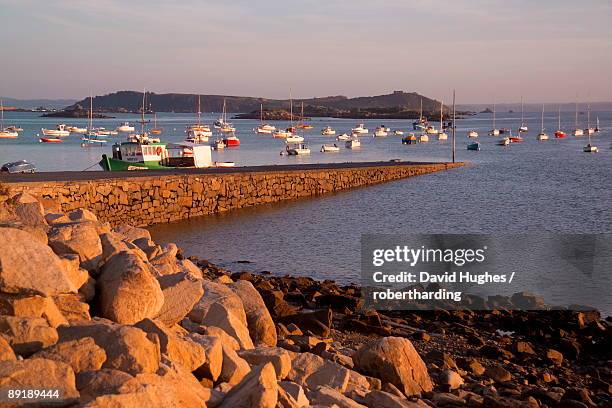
[409, 139]
[589, 130]
[472, 134]
[59, 131]
[328, 131]
[504, 142]
[380, 132]
[423, 138]
[343, 137]
[329, 148]
[495, 131]
[398, 132]
[125, 127]
[360, 129]
[353, 143]
[590, 148]
[297, 149]
[559, 134]
[473, 146]
[282, 134]
[231, 141]
[294, 138]
[156, 156]
[523, 128]
[50, 140]
[441, 134]
[219, 144]
[542, 135]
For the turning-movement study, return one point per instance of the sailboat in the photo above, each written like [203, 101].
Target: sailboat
[222, 124]
[523, 127]
[156, 130]
[91, 137]
[263, 128]
[421, 123]
[589, 130]
[289, 133]
[5, 133]
[302, 125]
[559, 134]
[542, 136]
[198, 132]
[494, 131]
[577, 130]
[597, 128]
[441, 134]
[143, 136]
[590, 148]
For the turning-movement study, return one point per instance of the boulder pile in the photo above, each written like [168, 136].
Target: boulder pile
[109, 318]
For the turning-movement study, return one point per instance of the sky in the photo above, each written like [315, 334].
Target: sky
[488, 50]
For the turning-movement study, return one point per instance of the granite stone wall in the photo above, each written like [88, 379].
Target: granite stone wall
[146, 200]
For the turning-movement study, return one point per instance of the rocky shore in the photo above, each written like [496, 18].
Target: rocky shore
[109, 318]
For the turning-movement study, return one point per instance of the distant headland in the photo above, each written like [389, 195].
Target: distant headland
[396, 105]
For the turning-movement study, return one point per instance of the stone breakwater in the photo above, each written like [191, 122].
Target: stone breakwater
[111, 319]
[142, 200]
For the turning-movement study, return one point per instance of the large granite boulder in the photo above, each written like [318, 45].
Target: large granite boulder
[181, 292]
[235, 368]
[218, 293]
[40, 373]
[32, 306]
[260, 323]
[81, 355]
[127, 348]
[394, 360]
[220, 316]
[78, 238]
[257, 389]
[310, 370]
[180, 350]
[279, 357]
[30, 267]
[27, 335]
[127, 290]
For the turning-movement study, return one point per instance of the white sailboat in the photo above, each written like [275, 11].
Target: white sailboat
[523, 128]
[441, 134]
[494, 131]
[264, 128]
[198, 132]
[577, 130]
[590, 148]
[542, 136]
[5, 133]
[472, 134]
[226, 127]
[91, 137]
[589, 130]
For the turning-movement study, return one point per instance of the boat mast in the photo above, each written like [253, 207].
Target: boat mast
[493, 115]
[199, 110]
[576, 116]
[522, 116]
[441, 123]
[90, 112]
[542, 127]
[2, 118]
[290, 108]
[421, 112]
[588, 116]
[454, 127]
[261, 113]
[559, 119]
[142, 121]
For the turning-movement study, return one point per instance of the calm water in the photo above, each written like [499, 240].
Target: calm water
[528, 187]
